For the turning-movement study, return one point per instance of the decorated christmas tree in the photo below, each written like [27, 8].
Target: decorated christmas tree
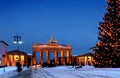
[107, 51]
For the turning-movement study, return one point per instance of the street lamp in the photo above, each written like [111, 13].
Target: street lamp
[17, 40]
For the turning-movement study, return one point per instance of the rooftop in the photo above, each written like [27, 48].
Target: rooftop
[1, 41]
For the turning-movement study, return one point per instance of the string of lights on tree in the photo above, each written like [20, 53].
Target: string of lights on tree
[107, 51]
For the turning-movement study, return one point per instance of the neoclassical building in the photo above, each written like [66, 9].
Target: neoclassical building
[3, 50]
[12, 57]
[84, 59]
[62, 53]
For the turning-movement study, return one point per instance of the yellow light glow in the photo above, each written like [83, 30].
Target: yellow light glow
[16, 58]
[22, 58]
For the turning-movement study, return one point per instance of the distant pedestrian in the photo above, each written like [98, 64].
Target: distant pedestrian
[19, 67]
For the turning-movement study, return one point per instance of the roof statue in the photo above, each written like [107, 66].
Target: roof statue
[52, 40]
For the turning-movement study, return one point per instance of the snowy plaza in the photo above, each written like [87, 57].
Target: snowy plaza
[59, 39]
[63, 72]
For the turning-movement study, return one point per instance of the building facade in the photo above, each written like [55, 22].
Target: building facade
[62, 53]
[84, 59]
[12, 57]
[3, 50]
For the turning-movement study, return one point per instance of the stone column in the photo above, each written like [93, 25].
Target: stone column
[25, 59]
[5, 60]
[56, 57]
[68, 57]
[62, 57]
[13, 60]
[47, 57]
[20, 59]
[34, 57]
[41, 57]
[86, 60]
[8, 62]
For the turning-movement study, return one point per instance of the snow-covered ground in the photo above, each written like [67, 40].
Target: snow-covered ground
[66, 72]
[69, 72]
[9, 71]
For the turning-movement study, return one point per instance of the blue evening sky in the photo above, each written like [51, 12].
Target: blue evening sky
[71, 22]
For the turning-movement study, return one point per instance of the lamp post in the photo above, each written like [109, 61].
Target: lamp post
[17, 41]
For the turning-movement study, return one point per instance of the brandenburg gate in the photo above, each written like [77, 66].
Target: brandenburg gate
[62, 53]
